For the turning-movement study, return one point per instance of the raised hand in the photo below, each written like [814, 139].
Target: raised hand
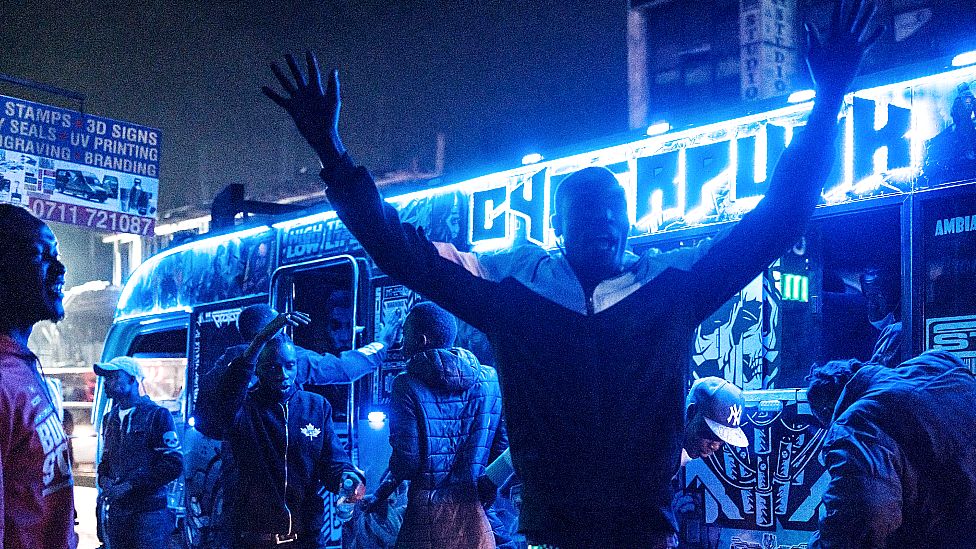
[315, 111]
[267, 333]
[835, 57]
[390, 328]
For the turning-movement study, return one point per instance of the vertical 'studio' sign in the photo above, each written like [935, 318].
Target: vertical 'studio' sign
[77, 168]
[767, 47]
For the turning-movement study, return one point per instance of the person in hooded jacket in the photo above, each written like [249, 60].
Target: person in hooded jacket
[445, 428]
[901, 453]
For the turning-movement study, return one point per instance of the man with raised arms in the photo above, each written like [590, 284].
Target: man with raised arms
[591, 339]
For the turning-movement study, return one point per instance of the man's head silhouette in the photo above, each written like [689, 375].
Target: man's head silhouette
[590, 218]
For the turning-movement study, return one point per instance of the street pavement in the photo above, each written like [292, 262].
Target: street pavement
[85, 506]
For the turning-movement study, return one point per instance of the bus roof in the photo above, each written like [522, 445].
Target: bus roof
[683, 178]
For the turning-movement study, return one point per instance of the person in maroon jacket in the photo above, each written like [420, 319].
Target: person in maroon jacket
[35, 468]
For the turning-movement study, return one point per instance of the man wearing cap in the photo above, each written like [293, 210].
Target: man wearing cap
[141, 456]
[713, 415]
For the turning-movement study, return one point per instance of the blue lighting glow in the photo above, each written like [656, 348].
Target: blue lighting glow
[377, 420]
[964, 59]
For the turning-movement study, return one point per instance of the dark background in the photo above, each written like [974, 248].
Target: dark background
[498, 78]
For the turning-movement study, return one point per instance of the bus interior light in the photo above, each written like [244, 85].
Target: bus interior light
[658, 128]
[377, 419]
[964, 59]
[801, 96]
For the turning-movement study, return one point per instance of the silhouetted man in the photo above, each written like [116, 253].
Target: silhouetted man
[883, 295]
[951, 155]
[901, 453]
[591, 333]
[37, 499]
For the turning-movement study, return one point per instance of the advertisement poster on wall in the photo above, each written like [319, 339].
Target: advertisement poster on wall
[949, 262]
[80, 169]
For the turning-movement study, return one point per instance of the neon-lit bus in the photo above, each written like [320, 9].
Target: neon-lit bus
[901, 202]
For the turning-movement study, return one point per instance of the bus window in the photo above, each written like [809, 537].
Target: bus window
[838, 290]
[164, 379]
[328, 294]
[162, 356]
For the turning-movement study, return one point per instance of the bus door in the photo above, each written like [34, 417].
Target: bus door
[333, 292]
[213, 329]
[943, 297]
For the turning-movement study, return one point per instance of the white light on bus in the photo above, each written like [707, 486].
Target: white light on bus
[531, 158]
[376, 419]
[658, 128]
[192, 421]
[964, 59]
[801, 96]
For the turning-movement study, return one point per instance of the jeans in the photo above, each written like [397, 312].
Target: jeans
[145, 530]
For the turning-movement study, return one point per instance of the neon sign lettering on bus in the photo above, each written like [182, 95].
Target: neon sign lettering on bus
[718, 172]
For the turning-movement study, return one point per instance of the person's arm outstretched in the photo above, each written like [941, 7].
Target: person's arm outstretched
[215, 415]
[325, 369]
[400, 250]
[781, 216]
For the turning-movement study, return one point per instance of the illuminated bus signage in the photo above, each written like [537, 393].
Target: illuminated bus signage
[793, 287]
[893, 139]
[888, 144]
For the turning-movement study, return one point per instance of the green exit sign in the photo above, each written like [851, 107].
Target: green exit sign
[794, 287]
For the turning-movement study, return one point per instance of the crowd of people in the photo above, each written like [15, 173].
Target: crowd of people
[583, 335]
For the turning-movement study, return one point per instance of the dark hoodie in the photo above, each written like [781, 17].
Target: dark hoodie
[901, 453]
[445, 427]
[285, 449]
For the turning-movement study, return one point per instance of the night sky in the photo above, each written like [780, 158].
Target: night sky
[499, 79]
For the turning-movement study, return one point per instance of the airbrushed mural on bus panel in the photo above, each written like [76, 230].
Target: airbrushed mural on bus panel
[214, 269]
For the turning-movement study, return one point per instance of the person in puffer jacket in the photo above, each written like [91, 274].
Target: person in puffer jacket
[901, 453]
[445, 427]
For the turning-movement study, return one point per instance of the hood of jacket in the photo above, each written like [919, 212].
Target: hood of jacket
[454, 370]
[871, 377]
